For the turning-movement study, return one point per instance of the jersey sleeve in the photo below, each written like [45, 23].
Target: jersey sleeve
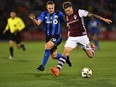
[82, 13]
[62, 18]
[41, 17]
[21, 24]
[7, 26]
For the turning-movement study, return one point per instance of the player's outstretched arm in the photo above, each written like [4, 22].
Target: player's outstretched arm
[99, 17]
[35, 21]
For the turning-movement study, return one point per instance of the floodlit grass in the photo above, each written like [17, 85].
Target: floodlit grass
[22, 71]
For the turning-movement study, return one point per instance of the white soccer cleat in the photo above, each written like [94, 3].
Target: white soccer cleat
[11, 58]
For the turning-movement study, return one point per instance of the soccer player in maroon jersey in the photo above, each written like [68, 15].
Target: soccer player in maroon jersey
[77, 34]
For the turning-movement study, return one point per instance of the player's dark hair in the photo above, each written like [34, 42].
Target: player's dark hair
[49, 3]
[66, 5]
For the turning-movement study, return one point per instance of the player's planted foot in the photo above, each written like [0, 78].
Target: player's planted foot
[11, 58]
[40, 68]
[68, 61]
[54, 71]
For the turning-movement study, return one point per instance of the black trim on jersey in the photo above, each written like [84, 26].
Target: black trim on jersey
[56, 30]
[45, 14]
[51, 15]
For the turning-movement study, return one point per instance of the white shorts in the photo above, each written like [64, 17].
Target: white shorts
[83, 41]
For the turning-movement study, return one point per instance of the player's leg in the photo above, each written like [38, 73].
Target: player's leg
[69, 46]
[88, 48]
[48, 46]
[11, 43]
[18, 42]
[57, 56]
[95, 40]
[51, 45]
[61, 61]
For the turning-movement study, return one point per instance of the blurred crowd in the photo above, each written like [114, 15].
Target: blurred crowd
[105, 8]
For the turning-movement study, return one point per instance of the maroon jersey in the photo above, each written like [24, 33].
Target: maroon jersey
[76, 23]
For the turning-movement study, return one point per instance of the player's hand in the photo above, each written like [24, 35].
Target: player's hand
[32, 16]
[4, 31]
[107, 21]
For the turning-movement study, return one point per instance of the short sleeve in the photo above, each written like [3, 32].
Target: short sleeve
[82, 13]
[41, 17]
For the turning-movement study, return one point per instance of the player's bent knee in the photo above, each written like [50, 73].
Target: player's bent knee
[53, 56]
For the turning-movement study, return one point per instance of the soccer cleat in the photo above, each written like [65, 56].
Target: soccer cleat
[23, 47]
[93, 47]
[40, 68]
[68, 61]
[54, 71]
[11, 58]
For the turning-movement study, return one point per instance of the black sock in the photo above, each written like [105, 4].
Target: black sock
[11, 51]
[23, 47]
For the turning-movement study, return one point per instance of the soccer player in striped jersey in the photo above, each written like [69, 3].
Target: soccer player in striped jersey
[77, 35]
[51, 20]
[16, 25]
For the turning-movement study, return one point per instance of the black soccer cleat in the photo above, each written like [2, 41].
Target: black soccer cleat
[23, 47]
[40, 68]
[68, 61]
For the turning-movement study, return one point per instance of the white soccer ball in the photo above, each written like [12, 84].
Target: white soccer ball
[86, 72]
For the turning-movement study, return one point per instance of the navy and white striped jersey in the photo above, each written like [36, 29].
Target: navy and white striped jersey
[52, 22]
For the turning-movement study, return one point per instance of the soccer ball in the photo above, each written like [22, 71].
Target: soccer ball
[86, 72]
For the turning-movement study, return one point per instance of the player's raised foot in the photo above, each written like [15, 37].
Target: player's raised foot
[23, 47]
[93, 46]
[68, 61]
[11, 58]
[40, 68]
[54, 71]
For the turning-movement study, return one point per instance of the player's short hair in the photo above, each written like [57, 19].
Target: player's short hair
[66, 5]
[50, 3]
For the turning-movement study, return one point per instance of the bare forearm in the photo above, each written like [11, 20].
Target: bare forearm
[99, 17]
[35, 21]
[94, 15]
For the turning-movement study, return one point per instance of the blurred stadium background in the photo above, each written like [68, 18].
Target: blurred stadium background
[22, 72]
[105, 8]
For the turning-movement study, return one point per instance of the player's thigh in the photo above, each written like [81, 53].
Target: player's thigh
[67, 50]
[71, 43]
[11, 43]
[11, 40]
[49, 45]
[84, 42]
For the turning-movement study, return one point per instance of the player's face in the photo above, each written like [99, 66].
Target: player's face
[51, 8]
[69, 11]
[12, 14]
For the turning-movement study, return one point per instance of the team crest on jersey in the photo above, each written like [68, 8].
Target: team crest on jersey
[55, 21]
[75, 16]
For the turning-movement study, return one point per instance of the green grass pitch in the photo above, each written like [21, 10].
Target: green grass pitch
[22, 71]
